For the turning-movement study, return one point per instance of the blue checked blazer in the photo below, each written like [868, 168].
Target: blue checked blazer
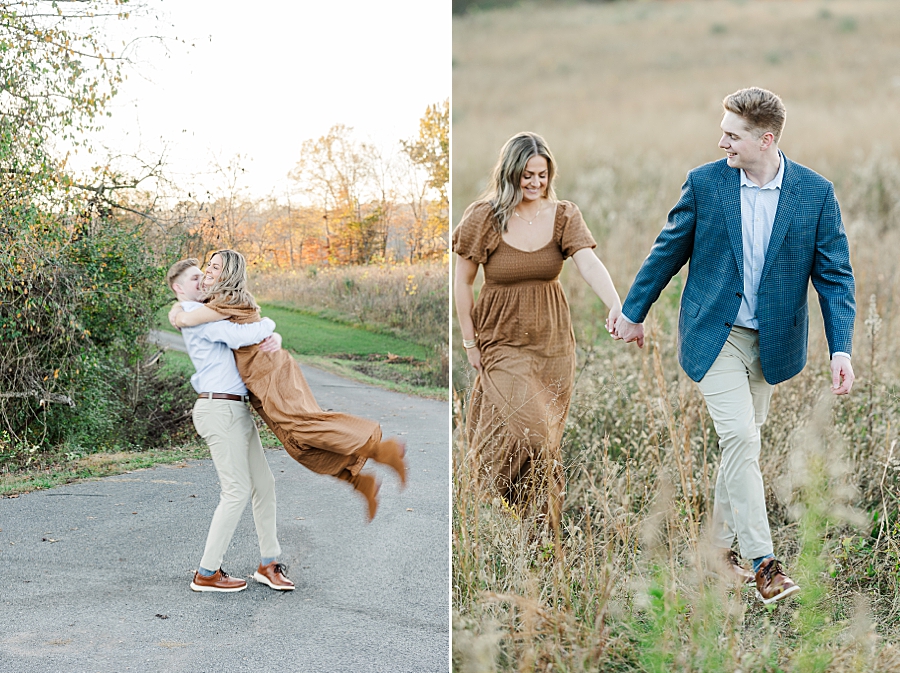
[808, 243]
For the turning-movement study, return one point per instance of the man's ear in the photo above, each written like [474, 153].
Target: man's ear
[177, 288]
[766, 139]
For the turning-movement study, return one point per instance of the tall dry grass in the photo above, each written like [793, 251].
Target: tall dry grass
[628, 95]
[409, 299]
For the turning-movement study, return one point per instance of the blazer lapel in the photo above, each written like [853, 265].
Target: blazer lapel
[788, 201]
[730, 198]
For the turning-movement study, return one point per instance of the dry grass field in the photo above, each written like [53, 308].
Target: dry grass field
[628, 95]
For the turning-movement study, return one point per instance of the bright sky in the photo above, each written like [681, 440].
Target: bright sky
[259, 79]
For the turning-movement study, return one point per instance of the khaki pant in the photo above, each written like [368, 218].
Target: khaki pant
[737, 397]
[244, 474]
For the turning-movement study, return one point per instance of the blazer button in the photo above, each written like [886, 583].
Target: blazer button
[728, 324]
[739, 294]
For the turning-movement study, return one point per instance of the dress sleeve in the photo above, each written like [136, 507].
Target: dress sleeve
[474, 237]
[574, 234]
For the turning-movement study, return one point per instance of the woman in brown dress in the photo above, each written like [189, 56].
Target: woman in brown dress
[518, 336]
[326, 442]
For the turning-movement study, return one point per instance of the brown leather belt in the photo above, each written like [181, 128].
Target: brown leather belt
[224, 396]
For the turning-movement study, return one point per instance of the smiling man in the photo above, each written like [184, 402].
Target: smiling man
[756, 228]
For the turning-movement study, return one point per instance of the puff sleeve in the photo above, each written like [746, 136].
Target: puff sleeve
[474, 237]
[574, 234]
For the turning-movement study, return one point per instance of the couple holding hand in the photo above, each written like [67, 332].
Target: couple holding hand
[755, 229]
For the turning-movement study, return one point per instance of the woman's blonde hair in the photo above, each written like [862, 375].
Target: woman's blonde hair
[230, 290]
[504, 191]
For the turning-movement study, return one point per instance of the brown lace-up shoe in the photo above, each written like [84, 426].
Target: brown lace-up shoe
[273, 575]
[771, 582]
[218, 581]
[732, 571]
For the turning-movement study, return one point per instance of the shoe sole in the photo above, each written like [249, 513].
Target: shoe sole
[200, 587]
[787, 592]
[262, 579]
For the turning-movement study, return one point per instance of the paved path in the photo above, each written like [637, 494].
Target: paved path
[94, 576]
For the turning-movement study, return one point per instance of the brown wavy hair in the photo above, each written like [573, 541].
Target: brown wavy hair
[230, 290]
[504, 190]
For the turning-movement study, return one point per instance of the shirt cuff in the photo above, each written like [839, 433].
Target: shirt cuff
[840, 353]
[624, 317]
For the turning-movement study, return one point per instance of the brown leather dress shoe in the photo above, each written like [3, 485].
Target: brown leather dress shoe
[273, 575]
[771, 582]
[732, 570]
[218, 581]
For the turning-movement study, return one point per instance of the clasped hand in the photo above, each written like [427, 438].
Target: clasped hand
[622, 329]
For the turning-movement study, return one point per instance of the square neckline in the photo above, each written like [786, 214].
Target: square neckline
[547, 244]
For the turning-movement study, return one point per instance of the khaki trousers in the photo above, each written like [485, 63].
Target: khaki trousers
[737, 397]
[244, 474]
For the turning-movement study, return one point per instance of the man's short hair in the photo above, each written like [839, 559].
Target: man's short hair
[179, 268]
[761, 109]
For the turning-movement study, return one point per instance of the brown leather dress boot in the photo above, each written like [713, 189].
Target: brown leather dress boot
[392, 452]
[367, 486]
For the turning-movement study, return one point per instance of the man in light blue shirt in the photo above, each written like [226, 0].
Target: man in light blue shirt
[756, 229]
[222, 417]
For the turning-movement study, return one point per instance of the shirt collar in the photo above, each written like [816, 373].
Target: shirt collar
[774, 183]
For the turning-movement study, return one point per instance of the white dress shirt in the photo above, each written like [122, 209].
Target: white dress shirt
[209, 347]
[758, 207]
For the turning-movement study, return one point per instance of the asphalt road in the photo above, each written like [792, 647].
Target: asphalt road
[94, 576]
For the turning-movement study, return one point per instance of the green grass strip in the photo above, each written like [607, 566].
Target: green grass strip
[307, 334]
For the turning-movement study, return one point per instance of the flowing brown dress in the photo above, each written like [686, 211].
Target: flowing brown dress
[326, 442]
[518, 404]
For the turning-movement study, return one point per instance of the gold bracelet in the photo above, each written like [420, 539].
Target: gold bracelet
[468, 343]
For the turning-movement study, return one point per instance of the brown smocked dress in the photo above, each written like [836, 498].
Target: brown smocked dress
[518, 405]
[326, 442]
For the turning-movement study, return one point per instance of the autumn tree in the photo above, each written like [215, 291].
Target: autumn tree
[429, 152]
[336, 172]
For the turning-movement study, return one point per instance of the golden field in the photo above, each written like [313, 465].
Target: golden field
[628, 95]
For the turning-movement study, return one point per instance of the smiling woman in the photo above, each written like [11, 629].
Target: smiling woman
[518, 336]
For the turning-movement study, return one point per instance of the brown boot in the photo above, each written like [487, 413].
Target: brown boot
[392, 452]
[368, 486]
[771, 582]
[731, 569]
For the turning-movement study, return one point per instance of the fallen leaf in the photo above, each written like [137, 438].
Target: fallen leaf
[162, 616]
[48, 539]
[409, 509]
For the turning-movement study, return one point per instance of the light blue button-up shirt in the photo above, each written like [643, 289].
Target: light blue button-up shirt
[209, 347]
[758, 207]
